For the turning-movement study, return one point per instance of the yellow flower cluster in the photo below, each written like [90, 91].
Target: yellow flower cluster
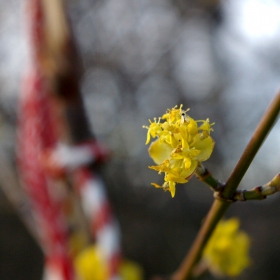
[89, 265]
[227, 250]
[181, 144]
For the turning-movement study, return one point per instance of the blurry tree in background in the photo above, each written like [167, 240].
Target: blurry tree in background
[141, 57]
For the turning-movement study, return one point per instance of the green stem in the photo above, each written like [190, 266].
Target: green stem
[252, 148]
[261, 192]
[216, 212]
[206, 177]
[257, 193]
[219, 207]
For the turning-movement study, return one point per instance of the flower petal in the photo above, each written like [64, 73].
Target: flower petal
[172, 188]
[206, 147]
[191, 170]
[159, 151]
[156, 185]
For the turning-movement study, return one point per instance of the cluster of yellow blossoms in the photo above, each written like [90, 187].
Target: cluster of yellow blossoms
[227, 252]
[181, 144]
[89, 265]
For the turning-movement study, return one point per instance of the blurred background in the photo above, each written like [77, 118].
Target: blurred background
[218, 58]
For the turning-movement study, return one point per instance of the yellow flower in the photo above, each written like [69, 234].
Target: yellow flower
[130, 270]
[89, 265]
[181, 144]
[227, 250]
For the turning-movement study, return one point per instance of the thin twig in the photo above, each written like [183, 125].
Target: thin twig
[260, 192]
[253, 146]
[257, 193]
[205, 176]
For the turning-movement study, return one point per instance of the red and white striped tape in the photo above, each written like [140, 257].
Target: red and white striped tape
[102, 223]
[41, 160]
[104, 227]
[36, 132]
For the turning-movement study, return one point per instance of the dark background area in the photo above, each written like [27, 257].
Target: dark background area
[140, 58]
